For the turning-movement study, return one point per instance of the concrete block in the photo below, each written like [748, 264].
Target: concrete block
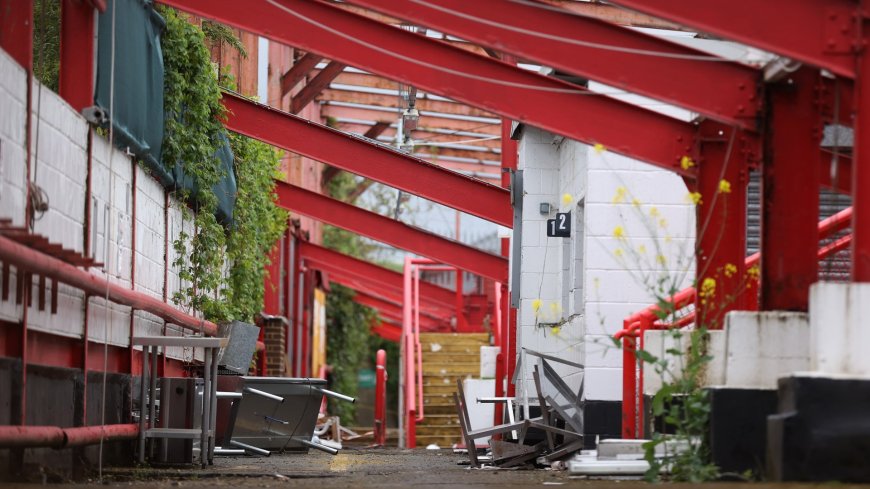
[838, 329]
[763, 346]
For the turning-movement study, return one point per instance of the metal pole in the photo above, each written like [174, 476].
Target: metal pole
[861, 165]
[381, 398]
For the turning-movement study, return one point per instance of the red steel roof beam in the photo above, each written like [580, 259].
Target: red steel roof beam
[368, 159]
[334, 262]
[480, 81]
[818, 32]
[371, 133]
[298, 71]
[595, 49]
[396, 233]
[313, 88]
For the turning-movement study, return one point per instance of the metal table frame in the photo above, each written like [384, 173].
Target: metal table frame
[150, 347]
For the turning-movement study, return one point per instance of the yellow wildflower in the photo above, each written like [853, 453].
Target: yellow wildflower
[536, 304]
[567, 198]
[654, 212]
[635, 202]
[730, 269]
[641, 249]
[619, 232]
[599, 148]
[555, 308]
[708, 288]
[555, 330]
[753, 272]
[686, 163]
[620, 195]
[694, 197]
[663, 223]
[724, 186]
[661, 259]
[617, 252]
[668, 239]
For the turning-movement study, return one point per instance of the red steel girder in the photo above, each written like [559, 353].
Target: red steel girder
[369, 159]
[76, 73]
[16, 30]
[724, 91]
[313, 88]
[440, 68]
[392, 310]
[298, 71]
[393, 232]
[789, 202]
[388, 331]
[818, 32]
[388, 281]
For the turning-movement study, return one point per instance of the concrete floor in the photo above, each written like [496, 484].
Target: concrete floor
[356, 468]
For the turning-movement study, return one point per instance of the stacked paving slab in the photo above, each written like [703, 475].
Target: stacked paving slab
[446, 358]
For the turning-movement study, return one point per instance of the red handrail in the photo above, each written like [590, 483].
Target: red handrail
[635, 324]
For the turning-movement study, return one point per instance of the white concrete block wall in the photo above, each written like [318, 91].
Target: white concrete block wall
[13, 107]
[600, 289]
[551, 168]
[619, 286]
[60, 148]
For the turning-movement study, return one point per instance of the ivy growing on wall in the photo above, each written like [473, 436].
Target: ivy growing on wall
[193, 134]
[347, 344]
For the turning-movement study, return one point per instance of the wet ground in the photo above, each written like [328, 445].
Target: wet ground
[358, 468]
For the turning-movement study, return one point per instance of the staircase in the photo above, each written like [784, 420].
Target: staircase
[446, 358]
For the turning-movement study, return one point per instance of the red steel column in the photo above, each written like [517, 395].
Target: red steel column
[861, 165]
[790, 194]
[16, 30]
[76, 76]
[721, 224]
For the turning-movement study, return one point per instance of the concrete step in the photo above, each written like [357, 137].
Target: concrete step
[443, 441]
[467, 340]
[451, 368]
[435, 420]
[450, 356]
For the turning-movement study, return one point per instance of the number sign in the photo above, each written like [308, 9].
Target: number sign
[560, 227]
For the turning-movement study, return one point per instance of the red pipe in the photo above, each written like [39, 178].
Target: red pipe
[39, 263]
[56, 437]
[381, 399]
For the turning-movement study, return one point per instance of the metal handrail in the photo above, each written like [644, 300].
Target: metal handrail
[645, 319]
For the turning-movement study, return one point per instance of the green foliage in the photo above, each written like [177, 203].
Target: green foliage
[685, 406]
[193, 134]
[46, 42]
[347, 333]
[218, 32]
[258, 224]
[192, 137]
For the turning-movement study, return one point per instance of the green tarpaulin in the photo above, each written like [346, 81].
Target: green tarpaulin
[137, 113]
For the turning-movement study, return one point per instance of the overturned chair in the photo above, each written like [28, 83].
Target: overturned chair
[561, 420]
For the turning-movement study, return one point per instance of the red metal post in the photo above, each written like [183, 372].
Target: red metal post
[390, 231]
[449, 71]
[818, 32]
[381, 399]
[596, 49]
[369, 159]
[790, 196]
[861, 164]
[629, 385]
[720, 223]
[76, 75]
[16, 30]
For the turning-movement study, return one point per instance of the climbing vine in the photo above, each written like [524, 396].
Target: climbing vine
[347, 345]
[194, 133]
